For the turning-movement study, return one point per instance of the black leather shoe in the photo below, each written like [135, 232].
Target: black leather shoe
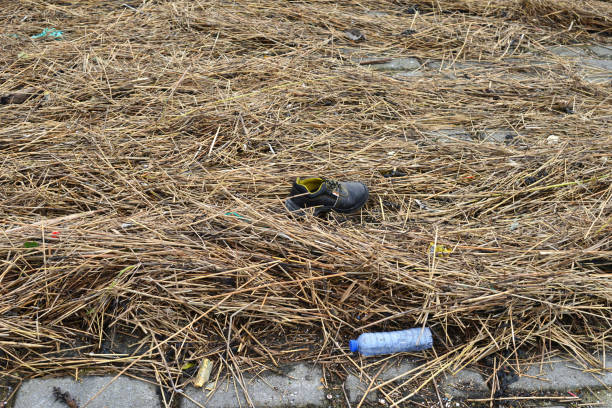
[325, 195]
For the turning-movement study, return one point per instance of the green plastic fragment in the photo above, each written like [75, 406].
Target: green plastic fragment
[30, 244]
[235, 214]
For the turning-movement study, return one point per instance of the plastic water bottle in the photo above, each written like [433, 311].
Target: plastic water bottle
[370, 344]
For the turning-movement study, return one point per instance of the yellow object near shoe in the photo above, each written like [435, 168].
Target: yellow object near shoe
[312, 184]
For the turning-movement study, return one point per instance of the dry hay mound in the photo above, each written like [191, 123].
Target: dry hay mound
[146, 166]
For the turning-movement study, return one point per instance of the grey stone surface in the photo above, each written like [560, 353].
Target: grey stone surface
[122, 393]
[355, 388]
[300, 386]
[434, 65]
[397, 369]
[599, 79]
[522, 62]
[561, 375]
[497, 135]
[441, 65]
[466, 383]
[564, 51]
[398, 64]
[488, 135]
[347, 51]
[404, 76]
[601, 51]
[598, 63]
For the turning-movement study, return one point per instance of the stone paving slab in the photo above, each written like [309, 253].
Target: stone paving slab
[564, 51]
[300, 386]
[561, 375]
[396, 370]
[599, 63]
[356, 387]
[601, 51]
[586, 58]
[398, 64]
[466, 383]
[599, 79]
[408, 75]
[122, 393]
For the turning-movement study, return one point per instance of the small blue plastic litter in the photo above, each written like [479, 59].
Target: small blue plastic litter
[371, 344]
[51, 32]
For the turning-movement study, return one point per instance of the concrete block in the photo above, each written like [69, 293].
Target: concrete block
[397, 369]
[355, 386]
[564, 51]
[598, 63]
[466, 383]
[398, 64]
[442, 65]
[355, 389]
[404, 76]
[601, 51]
[604, 79]
[122, 393]
[560, 375]
[300, 386]
[498, 135]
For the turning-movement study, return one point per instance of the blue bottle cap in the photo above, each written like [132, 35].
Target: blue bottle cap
[354, 345]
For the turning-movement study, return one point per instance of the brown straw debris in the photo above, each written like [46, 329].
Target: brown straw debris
[147, 167]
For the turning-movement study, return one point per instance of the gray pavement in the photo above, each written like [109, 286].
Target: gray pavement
[592, 63]
[561, 374]
[301, 385]
[122, 393]
[465, 384]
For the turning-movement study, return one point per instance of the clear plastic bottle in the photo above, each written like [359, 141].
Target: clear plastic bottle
[370, 344]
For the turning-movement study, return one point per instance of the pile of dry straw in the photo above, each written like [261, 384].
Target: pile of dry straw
[142, 179]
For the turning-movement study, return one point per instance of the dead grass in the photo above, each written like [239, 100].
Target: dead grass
[159, 142]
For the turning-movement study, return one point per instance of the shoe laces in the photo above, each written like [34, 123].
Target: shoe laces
[333, 185]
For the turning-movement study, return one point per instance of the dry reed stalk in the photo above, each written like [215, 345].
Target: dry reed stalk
[150, 166]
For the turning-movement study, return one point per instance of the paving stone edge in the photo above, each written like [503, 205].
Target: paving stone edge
[302, 385]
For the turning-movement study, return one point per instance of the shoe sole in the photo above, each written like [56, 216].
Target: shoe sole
[294, 208]
[297, 210]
